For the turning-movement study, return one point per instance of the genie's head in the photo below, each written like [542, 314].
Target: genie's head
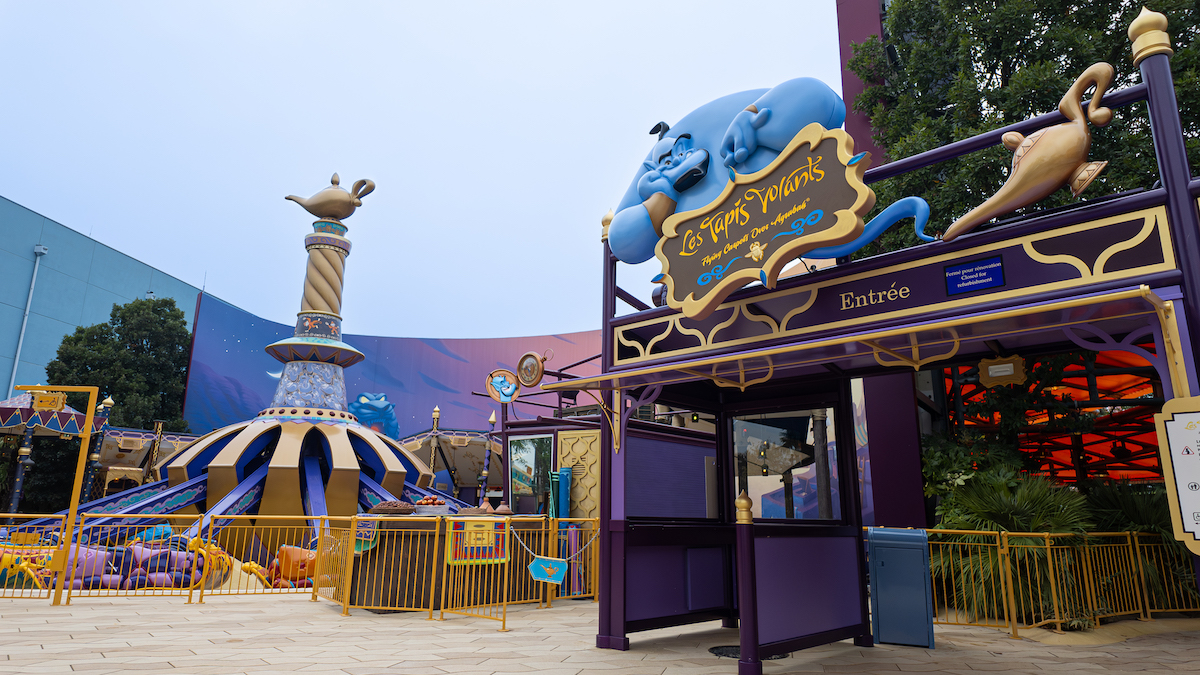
[674, 165]
[377, 412]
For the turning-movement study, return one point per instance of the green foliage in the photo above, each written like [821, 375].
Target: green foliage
[1001, 499]
[49, 481]
[948, 463]
[139, 358]
[961, 68]
[1122, 507]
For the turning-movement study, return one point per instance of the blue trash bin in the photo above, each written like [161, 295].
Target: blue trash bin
[901, 593]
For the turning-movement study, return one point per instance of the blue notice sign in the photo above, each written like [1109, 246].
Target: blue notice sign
[974, 275]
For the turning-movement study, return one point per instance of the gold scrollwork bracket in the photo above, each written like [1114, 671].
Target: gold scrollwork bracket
[915, 361]
[741, 383]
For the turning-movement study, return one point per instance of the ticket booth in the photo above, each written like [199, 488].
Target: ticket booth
[759, 526]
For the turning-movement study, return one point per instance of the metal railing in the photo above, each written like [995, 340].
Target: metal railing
[475, 566]
[1014, 580]
[26, 555]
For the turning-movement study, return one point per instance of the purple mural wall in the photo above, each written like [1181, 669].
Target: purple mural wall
[231, 378]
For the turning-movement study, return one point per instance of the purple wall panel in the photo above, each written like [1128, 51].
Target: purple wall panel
[231, 378]
[895, 445]
[655, 582]
[664, 479]
[806, 585]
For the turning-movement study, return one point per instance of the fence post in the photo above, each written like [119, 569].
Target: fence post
[504, 584]
[348, 570]
[1141, 575]
[209, 561]
[1053, 582]
[60, 578]
[316, 577]
[1089, 585]
[435, 570]
[195, 557]
[1010, 600]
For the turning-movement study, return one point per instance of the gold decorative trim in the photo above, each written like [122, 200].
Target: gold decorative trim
[611, 381]
[915, 361]
[1155, 217]
[1148, 33]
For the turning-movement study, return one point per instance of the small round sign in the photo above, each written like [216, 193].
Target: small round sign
[503, 386]
[530, 368]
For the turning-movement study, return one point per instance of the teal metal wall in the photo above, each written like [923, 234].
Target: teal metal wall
[78, 282]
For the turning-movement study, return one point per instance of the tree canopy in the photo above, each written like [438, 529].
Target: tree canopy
[951, 69]
[139, 358]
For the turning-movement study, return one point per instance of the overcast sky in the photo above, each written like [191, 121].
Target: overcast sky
[497, 133]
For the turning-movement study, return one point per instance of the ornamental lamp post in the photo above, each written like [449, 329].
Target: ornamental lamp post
[24, 464]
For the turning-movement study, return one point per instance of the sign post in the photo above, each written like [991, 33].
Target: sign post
[50, 399]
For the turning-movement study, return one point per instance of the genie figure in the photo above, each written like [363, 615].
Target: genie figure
[503, 387]
[745, 130]
[377, 412]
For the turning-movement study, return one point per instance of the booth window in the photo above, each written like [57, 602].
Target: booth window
[787, 463]
[530, 457]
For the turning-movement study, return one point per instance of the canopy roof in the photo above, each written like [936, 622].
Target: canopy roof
[17, 413]
[911, 345]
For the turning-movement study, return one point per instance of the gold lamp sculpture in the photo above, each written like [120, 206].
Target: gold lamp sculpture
[306, 434]
[1048, 158]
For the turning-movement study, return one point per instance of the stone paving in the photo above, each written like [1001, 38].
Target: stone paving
[290, 634]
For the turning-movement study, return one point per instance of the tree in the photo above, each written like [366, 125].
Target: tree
[951, 69]
[139, 358]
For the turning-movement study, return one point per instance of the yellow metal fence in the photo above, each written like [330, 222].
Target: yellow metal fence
[475, 566]
[1014, 580]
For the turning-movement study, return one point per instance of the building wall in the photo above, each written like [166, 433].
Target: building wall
[78, 282]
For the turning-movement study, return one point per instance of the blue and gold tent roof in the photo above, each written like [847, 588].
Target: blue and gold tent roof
[17, 413]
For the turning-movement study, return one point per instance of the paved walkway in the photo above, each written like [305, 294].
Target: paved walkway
[284, 634]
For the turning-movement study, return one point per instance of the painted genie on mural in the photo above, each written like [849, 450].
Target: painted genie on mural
[691, 163]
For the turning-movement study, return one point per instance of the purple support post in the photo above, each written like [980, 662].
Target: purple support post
[506, 461]
[1171, 152]
[748, 661]
[858, 20]
[611, 591]
[894, 444]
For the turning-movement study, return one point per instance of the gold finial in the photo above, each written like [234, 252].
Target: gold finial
[437, 415]
[604, 225]
[745, 509]
[334, 203]
[1148, 33]
[492, 418]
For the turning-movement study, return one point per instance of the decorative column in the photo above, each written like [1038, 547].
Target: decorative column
[315, 356]
[748, 661]
[1152, 55]
[24, 464]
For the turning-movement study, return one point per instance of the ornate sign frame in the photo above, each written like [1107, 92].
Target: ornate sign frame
[1181, 466]
[848, 225]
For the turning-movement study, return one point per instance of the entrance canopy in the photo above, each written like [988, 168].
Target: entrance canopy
[1119, 312]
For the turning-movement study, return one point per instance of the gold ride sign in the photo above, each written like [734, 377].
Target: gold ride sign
[810, 197]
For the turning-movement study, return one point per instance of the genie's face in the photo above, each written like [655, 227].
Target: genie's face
[674, 167]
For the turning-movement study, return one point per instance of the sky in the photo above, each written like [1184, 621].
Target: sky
[498, 135]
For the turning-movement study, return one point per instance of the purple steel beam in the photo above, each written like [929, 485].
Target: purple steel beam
[966, 146]
[1170, 150]
[611, 634]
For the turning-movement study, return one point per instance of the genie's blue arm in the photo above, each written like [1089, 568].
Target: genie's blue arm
[909, 207]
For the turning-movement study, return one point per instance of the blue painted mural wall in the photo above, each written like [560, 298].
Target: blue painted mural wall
[78, 282]
[231, 378]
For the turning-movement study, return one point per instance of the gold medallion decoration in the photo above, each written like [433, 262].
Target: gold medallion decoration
[503, 386]
[811, 196]
[530, 367]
